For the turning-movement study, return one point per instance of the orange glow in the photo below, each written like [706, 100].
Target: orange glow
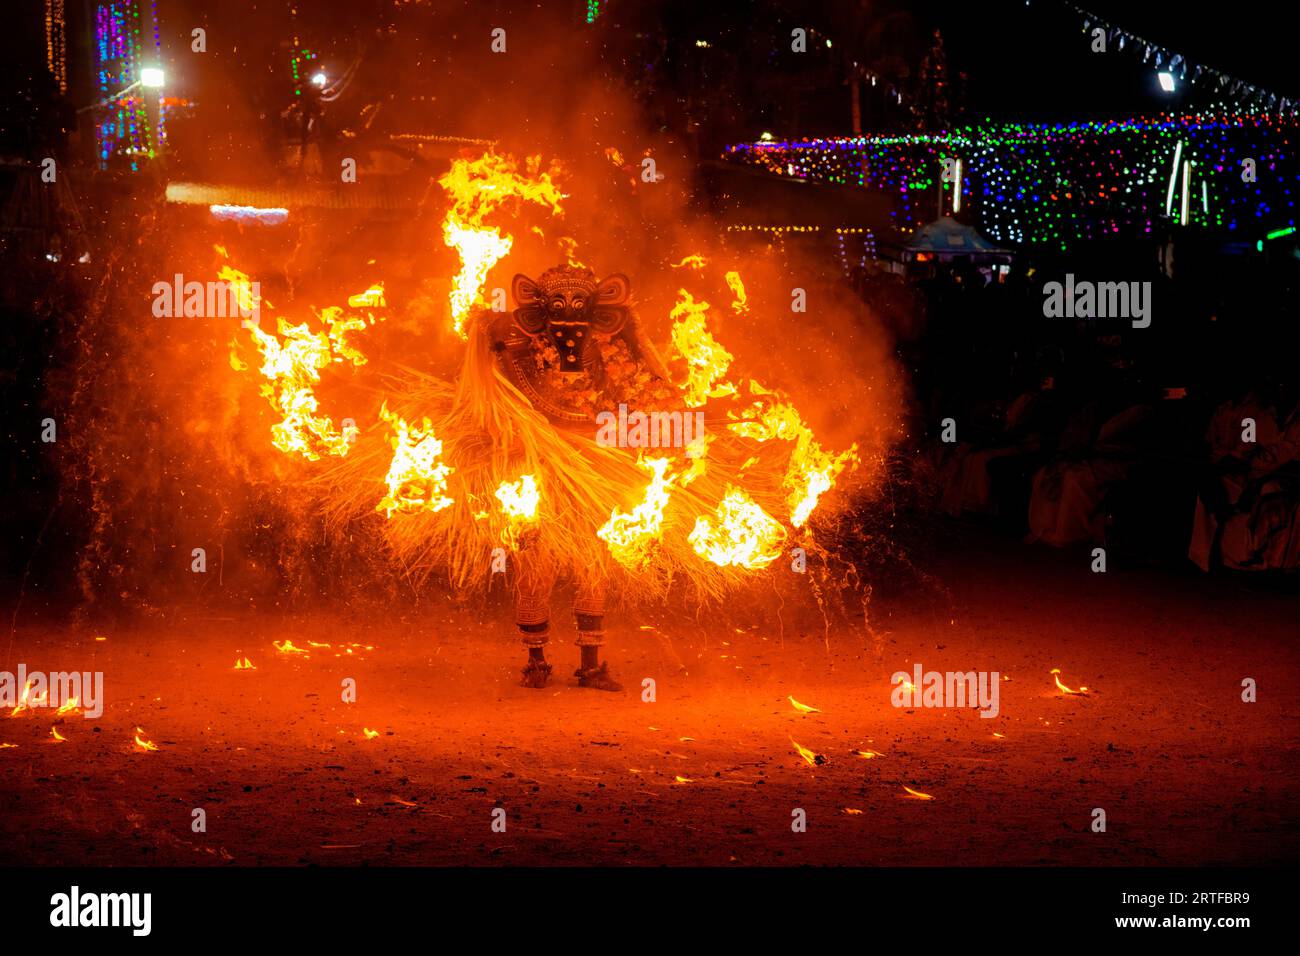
[813, 758]
[917, 794]
[803, 708]
[416, 478]
[22, 701]
[744, 536]
[144, 744]
[631, 536]
[478, 188]
[738, 288]
[55, 736]
[811, 471]
[519, 502]
[370, 734]
[292, 364]
[706, 360]
[1081, 692]
[288, 648]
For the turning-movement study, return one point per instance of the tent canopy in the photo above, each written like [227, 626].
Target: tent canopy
[947, 237]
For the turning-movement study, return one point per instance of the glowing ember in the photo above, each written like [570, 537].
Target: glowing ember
[744, 536]
[55, 736]
[742, 301]
[802, 708]
[706, 360]
[1081, 692]
[370, 734]
[694, 262]
[22, 704]
[917, 794]
[416, 479]
[142, 743]
[681, 779]
[814, 759]
[478, 188]
[244, 664]
[288, 648]
[851, 811]
[867, 754]
[70, 706]
[631, 536]
[372, 298]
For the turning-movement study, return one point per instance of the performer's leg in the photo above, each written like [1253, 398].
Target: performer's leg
[532, 617]
[589, 610]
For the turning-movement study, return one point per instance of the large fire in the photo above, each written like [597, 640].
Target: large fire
[631, 535]
[478, 188]
[417, 479]
[743, 534]
[732, 532]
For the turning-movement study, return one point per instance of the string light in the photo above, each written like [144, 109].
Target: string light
[1060, 183]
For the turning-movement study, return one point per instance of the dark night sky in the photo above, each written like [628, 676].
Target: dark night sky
[1033, 61]
[1024, 60]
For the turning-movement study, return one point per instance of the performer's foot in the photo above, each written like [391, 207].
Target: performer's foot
[536, 673]
[597, 677]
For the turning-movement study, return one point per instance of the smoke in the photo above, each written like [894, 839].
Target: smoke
[168, 449]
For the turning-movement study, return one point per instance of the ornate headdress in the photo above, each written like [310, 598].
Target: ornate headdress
[567, 303]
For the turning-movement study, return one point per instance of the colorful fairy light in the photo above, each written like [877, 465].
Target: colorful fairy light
[1053, 184]
[121, 56]
[56, 43]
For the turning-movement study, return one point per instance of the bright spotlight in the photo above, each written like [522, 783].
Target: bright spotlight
[1166, 81]
[151, 77]
[320, 79]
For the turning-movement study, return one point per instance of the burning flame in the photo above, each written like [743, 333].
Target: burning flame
[1082, 691]
[803, 708]
[416, 480]
[370, 734]
[244, 664]
[917, 794]
[694, 262]
[70, 706]
[811, 471]
[745, 535]
[142, 743]
[814, 759]
[56, 737]
[22, 701]
[631, 536]
[738, 288]
[478, 187]
[867, 754]
[706, 360]
[288, 648]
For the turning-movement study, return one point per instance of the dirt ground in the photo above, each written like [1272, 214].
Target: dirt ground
[708, 773]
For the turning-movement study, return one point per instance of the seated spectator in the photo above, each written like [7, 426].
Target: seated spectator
[1248, 511]
[1069, 492]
